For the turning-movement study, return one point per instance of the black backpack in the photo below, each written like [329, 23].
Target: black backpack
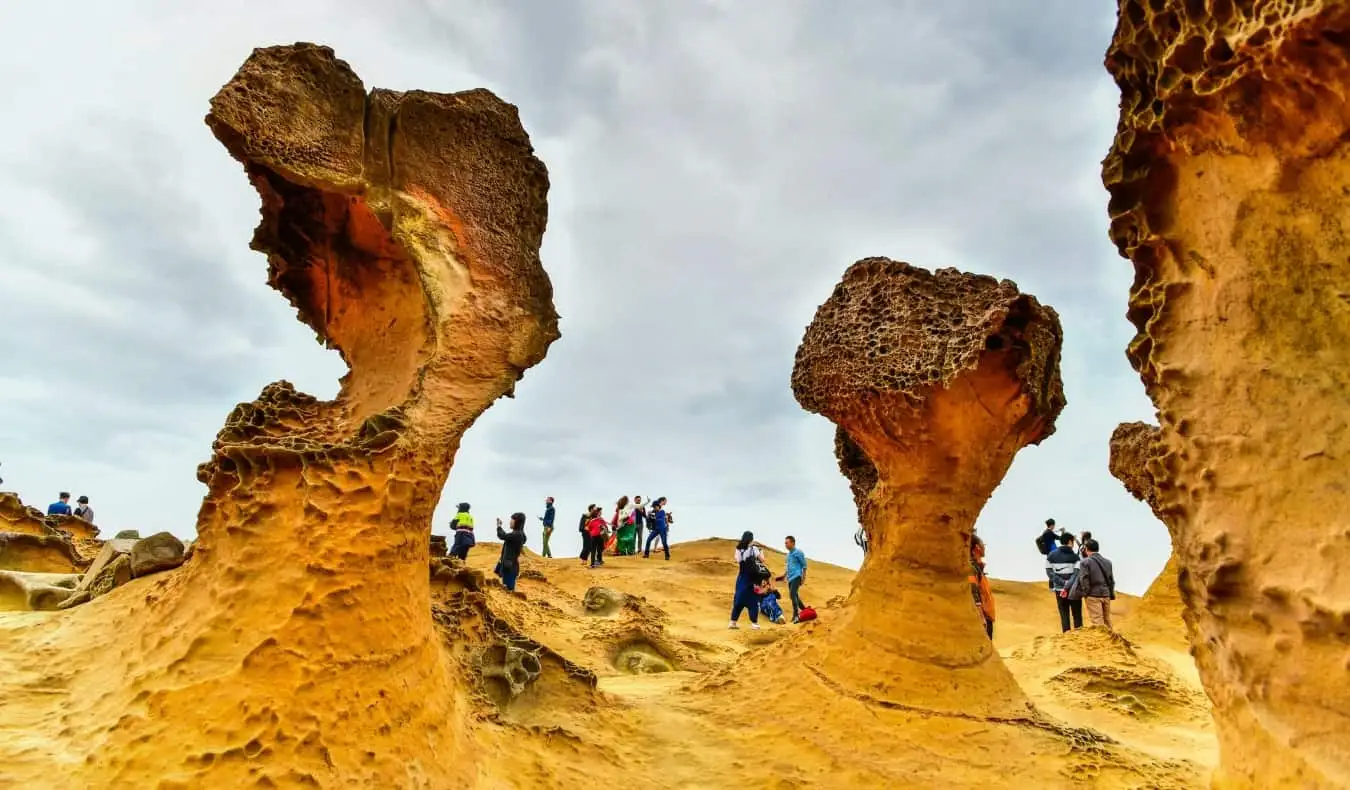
[753, 566]
[1045, 542]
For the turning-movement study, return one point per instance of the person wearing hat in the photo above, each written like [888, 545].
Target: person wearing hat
[83, 510]
[462, 524]
[61, 507]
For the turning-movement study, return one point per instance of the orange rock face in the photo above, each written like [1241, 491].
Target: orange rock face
[1134, 445]
[1228, 180]
[935, 380]
[297, 647]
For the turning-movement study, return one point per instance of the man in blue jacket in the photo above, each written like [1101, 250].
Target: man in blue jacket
[1061, 565]
[61, 507]
[795, 575]
[550, 513]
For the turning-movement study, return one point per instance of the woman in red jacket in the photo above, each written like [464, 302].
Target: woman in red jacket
[596, 529]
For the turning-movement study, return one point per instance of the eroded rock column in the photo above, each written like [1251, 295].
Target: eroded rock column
[297, 647]
[1228, 182]
[935, 380]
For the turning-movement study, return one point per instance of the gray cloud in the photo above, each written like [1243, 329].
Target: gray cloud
[715, 167]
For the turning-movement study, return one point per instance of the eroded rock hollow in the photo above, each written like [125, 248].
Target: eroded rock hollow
[1228, 182]
[297, 646]
[935, 381]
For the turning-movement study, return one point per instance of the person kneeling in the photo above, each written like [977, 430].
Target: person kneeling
[768, 602]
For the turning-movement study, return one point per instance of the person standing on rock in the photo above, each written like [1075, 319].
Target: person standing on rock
[508, 565]
[1098, 582]
[61, 507]
[750, 571]
[462, 524]
[639, 521]
[624, 528]
[595, 527]
[660, 526]
[980, 590]
[83, 510]
[795, 576]
[583, 526]
[1062, 567]
[547, 518]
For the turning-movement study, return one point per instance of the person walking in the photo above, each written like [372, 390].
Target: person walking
[1062, 568]
[83, 511]
[61, 507]
[749, 573]
[547, 519]
[508, 564]
[795, 576]
[639, 521]
[860, 538]
[595, 527]
[660, 526]
[462, 524]
[1097, 580]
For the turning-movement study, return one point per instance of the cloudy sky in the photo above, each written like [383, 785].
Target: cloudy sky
[715, 168]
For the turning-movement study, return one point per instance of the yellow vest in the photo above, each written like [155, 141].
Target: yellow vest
[462, 521]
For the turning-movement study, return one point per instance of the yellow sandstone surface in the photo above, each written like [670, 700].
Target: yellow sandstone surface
[1228, 182]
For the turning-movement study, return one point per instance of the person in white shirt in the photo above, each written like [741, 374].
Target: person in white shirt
[750, 571]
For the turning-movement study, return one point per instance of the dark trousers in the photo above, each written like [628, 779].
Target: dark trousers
[745, 599]
[652, 536]
[794, 587]
[585, 546]
[598, 549]
[460, 549]
[1066, 608]
[508, 578]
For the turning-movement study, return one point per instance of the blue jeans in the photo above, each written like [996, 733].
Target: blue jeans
[745, 599]
[508, 577]
[652, 536]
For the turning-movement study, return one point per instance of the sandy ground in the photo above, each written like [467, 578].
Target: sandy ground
[679, 701]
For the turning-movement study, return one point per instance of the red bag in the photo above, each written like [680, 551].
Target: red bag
[806, 614]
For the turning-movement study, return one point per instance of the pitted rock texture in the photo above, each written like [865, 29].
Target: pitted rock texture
[856, 467]
[935, 381]
[297, 648]
[1228, 179]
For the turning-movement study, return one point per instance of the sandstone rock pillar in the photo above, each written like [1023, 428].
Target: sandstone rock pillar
[935, 380]
[297, 647]
[1229, 179]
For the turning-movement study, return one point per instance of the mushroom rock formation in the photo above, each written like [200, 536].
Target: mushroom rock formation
[298, 647]
[935, 380]
[1134, 445]
[1228, 179]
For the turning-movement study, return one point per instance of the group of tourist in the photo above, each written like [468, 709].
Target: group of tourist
[1078, 576]
[61, 507]
[621, 533]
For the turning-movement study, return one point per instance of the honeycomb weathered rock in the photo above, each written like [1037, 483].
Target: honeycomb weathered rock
[404, 227]
[935, 381]
[1228, 179]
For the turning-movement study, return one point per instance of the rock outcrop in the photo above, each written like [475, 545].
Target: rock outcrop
[1228, 179]
[1134, 445]
[297, 648]
[159, 552]
[935, 380]
[31, 542]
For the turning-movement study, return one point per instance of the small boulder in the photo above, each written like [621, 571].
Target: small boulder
[128, 534]
[603, 602]
[114, 574]
[111, 550]
[159, 552]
